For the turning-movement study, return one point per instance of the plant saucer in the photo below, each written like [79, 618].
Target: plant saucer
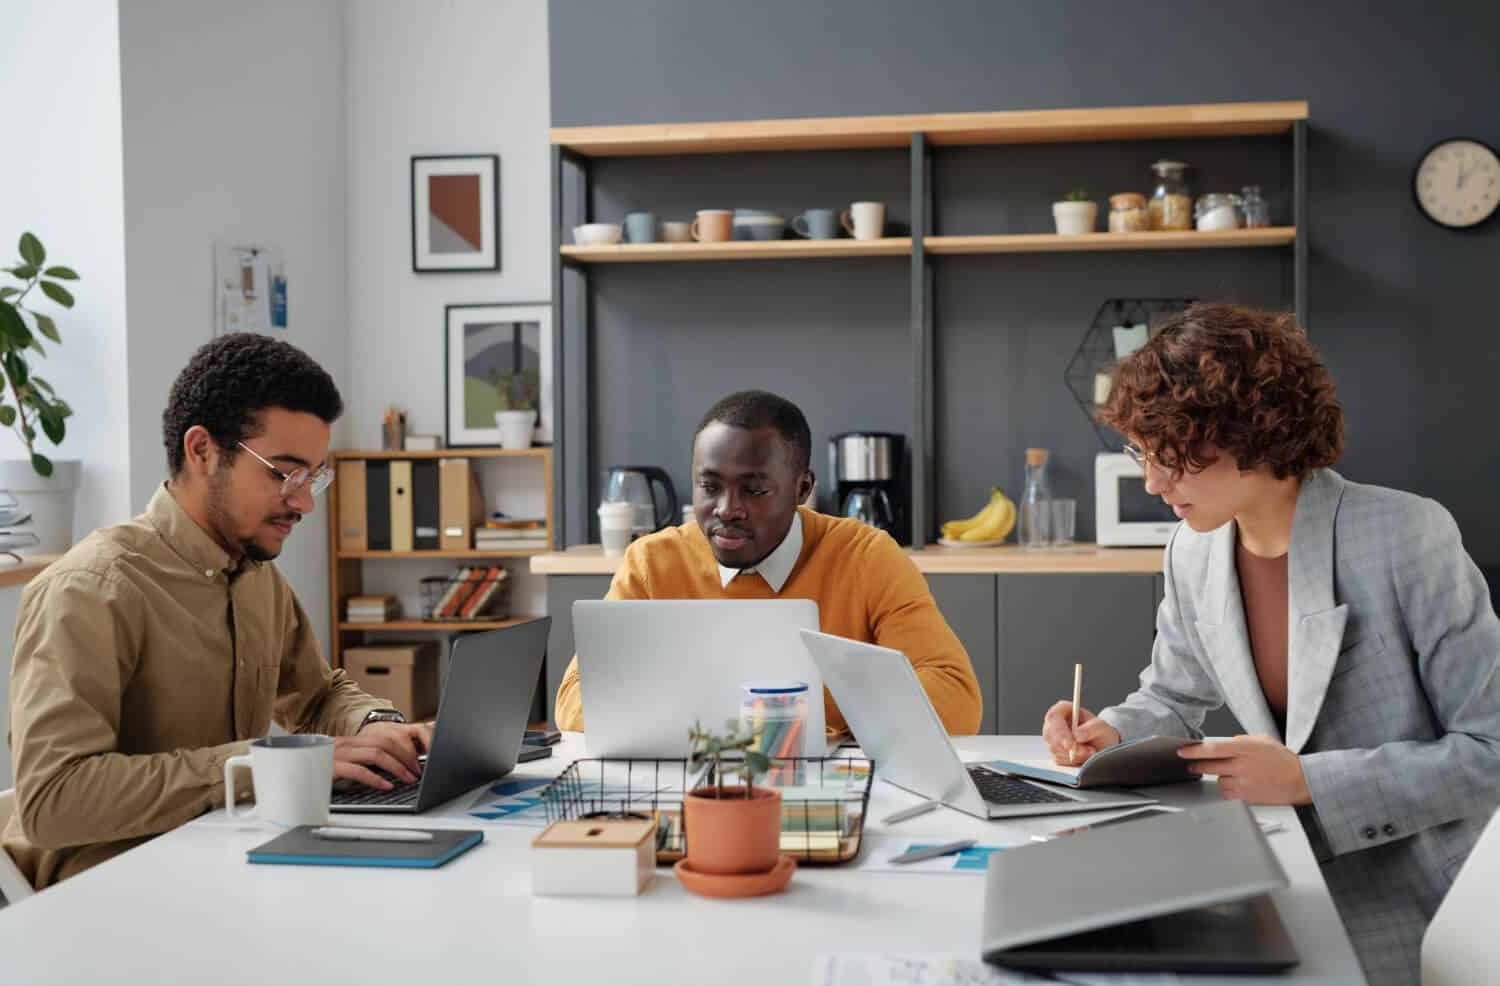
[953, 543]
[771, 881]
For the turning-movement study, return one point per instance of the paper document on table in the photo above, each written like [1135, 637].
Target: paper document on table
[880, 969]
[879, 851]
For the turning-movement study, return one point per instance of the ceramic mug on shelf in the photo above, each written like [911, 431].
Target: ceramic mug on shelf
[865, 220]
[816, 224]
[293, 776]
[713, 226]
[640, 227]
[676, 232]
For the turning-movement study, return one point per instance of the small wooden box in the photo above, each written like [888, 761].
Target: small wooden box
[406, 675]
[606, 857]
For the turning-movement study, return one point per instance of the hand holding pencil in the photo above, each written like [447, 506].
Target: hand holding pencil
[1073, 733]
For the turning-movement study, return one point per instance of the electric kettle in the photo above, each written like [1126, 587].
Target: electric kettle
[637, 485]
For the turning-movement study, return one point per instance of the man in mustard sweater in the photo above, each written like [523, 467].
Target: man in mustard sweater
[751, 540]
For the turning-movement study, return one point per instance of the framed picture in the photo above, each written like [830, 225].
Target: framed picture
[484, 344]
[455, 212]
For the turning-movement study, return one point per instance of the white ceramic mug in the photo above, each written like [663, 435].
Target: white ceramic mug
[865, 220]
[616, 520]
[293, 777]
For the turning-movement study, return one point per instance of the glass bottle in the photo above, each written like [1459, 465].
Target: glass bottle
[1257, 213]
[1036, 502]
[1171, 206]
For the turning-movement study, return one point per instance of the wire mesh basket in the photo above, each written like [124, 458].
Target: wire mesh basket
[823, 807]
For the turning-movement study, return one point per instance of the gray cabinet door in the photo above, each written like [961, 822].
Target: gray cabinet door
[1048, 623]
[967, 602]
[562, 592]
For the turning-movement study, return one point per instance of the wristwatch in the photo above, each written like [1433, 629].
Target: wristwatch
[382, 715]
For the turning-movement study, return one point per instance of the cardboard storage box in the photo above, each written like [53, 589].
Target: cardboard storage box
[406, 675]
[608, 857]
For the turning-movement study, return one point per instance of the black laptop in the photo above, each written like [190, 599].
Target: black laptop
[481, 720]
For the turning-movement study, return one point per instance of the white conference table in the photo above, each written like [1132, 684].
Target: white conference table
[187, 908]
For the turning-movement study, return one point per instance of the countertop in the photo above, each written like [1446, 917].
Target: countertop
[932, 560]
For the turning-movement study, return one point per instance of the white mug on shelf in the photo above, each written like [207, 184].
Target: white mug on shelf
[293, 777]
[865, 220]
[615, 522]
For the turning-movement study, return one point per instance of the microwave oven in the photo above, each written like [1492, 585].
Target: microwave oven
[1125, 514]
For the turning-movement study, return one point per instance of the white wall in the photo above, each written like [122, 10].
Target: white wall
[438, 77]
[234, 128]
[60, 178]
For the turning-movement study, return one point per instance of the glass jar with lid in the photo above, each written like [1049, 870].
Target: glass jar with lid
[1217, 211]
[1257, 212]
[1127, 213]
[1171, 206]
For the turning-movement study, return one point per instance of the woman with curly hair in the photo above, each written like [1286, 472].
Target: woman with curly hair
[1344, 625]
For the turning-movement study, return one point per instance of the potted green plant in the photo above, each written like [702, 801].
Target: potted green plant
[29, 406]
[733, 830]
[516, 395]
[1075, 214]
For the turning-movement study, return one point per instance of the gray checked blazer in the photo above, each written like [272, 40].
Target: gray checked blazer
[1393, 698]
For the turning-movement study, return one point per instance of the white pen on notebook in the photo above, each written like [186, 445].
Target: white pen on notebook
[371, 834]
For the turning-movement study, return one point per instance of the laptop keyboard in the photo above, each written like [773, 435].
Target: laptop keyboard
[1003, 789]
[404, 794]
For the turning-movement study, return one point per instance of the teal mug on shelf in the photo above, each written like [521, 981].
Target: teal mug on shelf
[817, 224]
[640, 227]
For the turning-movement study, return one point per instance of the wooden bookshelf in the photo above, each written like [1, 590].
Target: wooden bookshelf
[1271, 236]
[470, 555]
[535, 452]
[941, 129]
[625, 253]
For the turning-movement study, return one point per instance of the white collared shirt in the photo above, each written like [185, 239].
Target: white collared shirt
[776, 567]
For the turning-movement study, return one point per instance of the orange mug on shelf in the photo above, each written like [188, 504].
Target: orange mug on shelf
[713, 226]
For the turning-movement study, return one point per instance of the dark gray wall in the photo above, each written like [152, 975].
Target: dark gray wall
[1401, 308]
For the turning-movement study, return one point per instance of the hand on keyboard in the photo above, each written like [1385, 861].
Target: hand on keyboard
[394, 748]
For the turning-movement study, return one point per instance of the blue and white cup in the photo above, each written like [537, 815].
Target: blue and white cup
[817, 224]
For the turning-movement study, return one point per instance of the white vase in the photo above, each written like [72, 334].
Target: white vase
[49, 500]
[516, 428]
[1074, 218]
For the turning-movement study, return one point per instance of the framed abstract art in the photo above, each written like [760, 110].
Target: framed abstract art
[455, 213]
[485, 344]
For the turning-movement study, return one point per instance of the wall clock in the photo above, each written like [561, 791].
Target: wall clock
[1457, 183]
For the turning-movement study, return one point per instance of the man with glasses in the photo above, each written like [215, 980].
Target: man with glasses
[156, 649]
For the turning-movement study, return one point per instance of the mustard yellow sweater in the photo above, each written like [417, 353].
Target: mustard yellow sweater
[866, 589]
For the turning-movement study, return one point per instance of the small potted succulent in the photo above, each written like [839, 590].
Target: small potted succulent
[732, 829]
[516, 399]
[1075, 214]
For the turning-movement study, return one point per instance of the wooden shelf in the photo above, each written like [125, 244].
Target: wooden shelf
[14, 572]
[624, 253]
[1005, 560]
[435, 626]
[417, 555]
[535, 452]
[950, 129]
[1271, 236]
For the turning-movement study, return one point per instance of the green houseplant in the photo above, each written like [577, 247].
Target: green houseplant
[29, 403]
[1075, 214]
[733, 831]
[516, 397]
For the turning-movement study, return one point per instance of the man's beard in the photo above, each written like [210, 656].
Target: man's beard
[218, 514]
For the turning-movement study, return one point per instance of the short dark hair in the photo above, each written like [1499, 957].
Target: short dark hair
[230, 380]
[761, 409]
[1243, 380]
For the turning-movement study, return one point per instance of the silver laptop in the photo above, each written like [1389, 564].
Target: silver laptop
[648, 669]
[481, 720]
[1182, 892]
[880, 696]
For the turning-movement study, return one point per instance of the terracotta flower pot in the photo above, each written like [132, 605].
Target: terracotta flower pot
[733, 834]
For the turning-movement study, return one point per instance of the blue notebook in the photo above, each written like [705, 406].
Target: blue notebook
[299, 847]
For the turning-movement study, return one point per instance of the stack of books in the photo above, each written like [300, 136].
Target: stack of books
[511, 534]
[372, 609]
[473, 593]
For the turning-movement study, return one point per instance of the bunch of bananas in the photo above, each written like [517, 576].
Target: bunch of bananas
[992, 523]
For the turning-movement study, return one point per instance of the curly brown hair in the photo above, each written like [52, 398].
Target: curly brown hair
[1238, 379]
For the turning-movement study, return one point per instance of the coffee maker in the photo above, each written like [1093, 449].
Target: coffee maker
[869, 481]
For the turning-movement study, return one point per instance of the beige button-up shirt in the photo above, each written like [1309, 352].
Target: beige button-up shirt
[144, 658]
